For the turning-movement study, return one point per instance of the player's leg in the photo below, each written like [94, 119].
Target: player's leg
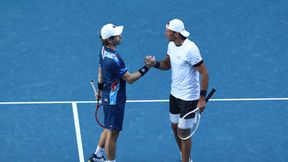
[111, 141]
[177, 139]
[115, 117]
[186, 145]
[97, 156]
[186, 149]
[174, 113]
[101, 143]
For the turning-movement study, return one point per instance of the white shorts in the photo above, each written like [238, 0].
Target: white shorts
[182, 123]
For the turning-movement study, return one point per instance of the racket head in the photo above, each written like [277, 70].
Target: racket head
[100, 115]
[185, 133]
[187, 126]
[99, 111]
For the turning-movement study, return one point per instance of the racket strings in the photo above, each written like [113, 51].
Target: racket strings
[187, 126]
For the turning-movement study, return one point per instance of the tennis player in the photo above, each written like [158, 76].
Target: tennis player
[112, 78]
[184, 60]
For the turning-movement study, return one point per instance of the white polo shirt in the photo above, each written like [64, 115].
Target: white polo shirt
[185, 78]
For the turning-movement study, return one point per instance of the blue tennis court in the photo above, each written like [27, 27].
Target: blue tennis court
[49, 54]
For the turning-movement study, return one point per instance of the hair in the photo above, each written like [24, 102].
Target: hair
[104, 42]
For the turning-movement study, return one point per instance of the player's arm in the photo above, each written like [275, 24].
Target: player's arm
[100, 83]
[163, 64]
[132, 77]
[204, 84]
[100, 78]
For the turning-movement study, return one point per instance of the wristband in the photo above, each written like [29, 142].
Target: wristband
[157, 65]
[143, 70]
[100, 86]
[203, 93]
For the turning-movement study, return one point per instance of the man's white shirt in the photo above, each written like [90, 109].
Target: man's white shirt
[185, 78]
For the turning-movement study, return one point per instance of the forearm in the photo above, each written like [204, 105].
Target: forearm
[204, 81]
[204, 86]
[131, 78]
[162, 65]
[100, 83]
[100, 78]
[204, 77]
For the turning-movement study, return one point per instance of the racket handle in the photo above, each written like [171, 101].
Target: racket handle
[96, 93]
[210, 94]
[93, 86]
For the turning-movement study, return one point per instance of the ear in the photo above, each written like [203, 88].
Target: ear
[176, 34]
[110, 39]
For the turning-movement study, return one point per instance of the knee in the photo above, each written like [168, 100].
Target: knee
[114, 135]
[174, 127]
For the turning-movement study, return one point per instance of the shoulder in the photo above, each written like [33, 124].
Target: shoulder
[191, 45]
[111, 57]
[192, 48]
[193, 54]
[171, 44]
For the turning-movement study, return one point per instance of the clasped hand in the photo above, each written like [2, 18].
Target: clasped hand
[150, 61]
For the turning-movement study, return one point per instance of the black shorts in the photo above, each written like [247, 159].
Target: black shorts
[178, 106]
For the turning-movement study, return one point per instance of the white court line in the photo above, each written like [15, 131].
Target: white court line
[78, 132]
[142, 101]
[76, 117]
[250, 99]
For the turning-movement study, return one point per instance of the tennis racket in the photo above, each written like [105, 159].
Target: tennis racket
[186, 133]
[99, 112]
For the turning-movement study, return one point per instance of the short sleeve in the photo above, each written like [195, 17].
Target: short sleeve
[168, 49]
[118, 68]
[194, 57]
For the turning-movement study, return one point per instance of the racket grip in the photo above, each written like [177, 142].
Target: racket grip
[96, 92]
[93, 86]
[210, 94]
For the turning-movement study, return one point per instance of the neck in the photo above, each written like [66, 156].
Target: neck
[179, 42]
[111, 47]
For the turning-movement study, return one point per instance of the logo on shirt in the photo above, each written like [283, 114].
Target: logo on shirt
[114, 85]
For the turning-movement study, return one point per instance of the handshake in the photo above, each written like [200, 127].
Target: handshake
[150, 61]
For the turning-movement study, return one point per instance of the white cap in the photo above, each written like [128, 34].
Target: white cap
[110, 30]
[177, 25]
